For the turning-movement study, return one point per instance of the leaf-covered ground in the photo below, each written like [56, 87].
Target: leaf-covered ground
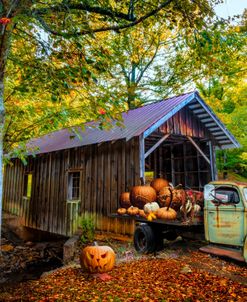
[190, 277]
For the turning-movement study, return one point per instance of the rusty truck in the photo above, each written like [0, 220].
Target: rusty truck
[223, 223]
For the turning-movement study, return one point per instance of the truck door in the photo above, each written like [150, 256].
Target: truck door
[224, 216]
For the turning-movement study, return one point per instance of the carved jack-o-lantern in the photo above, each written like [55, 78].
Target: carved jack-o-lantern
[97, 259]
[165, 196]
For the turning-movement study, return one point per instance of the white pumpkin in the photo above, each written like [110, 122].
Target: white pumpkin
[151, 207]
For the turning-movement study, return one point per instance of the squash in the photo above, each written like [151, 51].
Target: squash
[197, 209]
[140, 195]
[151, 216]
[165, 196]
[133, 211]
[97, 259]
[121, 211]
[159, 183]
[151, 207]
[124, 200]
[187, 207]
[167, 214]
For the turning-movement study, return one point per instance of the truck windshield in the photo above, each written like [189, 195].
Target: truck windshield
[245, 193]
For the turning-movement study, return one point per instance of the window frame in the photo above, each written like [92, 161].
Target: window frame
[70, 187]
[228, 190]
[27, 185]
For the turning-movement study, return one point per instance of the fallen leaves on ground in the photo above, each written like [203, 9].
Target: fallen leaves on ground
[149, 279]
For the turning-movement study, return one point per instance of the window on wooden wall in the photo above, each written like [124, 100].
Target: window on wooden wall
[28, 179]
[74, 185]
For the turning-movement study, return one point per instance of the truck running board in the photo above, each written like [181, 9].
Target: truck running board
[224, 252]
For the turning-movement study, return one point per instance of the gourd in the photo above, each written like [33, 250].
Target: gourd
[178, 198]
[140, 195]
[165, 196]
[133, 211]
[166, 213]
[121, 211]
[159, 183]
[187, 207]
[197, 208]
[97, 259]
[151, 216]
[151, 207]
[124, 200]
[179, 195]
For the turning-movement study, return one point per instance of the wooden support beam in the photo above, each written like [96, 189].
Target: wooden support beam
[213, 161]
[199, 149]
[142, 158]
[156, 145]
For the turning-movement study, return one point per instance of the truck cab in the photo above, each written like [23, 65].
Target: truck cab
[225, 219]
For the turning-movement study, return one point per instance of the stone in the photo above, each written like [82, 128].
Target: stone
[70, 249]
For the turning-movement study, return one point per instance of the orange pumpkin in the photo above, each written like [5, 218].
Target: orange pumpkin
[97, 259]
[140, 195]
[159, 183]
[164, 196]
[166, 214]
[124, 200]
[142, 213]
[133, 211]
[121, 211]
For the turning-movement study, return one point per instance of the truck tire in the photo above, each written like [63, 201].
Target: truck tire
[144, 239]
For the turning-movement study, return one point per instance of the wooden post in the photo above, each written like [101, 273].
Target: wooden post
[213, 167]
[141, 157]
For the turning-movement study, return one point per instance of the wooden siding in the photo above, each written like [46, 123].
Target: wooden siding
[106, 170]
[184, 122]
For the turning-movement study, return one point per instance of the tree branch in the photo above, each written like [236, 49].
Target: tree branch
[101, 29]
[83, 7]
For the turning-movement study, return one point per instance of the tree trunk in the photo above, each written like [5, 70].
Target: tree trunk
[4, 48]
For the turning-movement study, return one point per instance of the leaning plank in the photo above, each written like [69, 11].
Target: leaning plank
[198, 148]
[156, 145]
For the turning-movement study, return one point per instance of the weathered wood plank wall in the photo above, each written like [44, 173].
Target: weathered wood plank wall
[106, 170]
[184, 122]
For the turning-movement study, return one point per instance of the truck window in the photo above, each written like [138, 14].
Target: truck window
[245, 193]
[227, 195]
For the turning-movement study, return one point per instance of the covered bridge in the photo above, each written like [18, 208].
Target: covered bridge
[174, 138]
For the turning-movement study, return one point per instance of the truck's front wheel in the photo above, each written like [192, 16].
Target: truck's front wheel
[144, 239]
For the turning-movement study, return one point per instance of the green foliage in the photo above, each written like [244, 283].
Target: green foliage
[224, 87]
[86, 224]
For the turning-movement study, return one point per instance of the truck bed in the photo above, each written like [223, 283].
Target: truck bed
[198, 220]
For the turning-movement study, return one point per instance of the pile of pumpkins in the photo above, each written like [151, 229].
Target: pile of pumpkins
[159, 200]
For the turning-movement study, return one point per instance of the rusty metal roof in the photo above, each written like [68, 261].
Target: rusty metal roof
[143, 120]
